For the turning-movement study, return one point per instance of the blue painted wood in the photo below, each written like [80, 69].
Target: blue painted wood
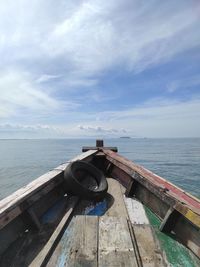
[65, 244]
[98, 209]
[78, 245]
[54, 212]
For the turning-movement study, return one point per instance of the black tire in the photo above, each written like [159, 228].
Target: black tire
[74, 176]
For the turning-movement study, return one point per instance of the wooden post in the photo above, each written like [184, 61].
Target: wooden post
[169, 220]
[99, 143]
[131, 188]
[99, 146]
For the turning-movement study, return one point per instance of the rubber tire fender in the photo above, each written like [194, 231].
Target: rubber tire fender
[75, 187]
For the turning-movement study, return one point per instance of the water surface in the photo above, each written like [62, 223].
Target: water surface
[177, 160]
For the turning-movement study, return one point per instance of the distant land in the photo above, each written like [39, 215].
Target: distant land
[126, 137]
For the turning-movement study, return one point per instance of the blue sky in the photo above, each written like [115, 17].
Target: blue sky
[99, 68]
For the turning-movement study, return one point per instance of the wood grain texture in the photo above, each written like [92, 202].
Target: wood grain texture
[78, 245]
[159, 195]
[9, 207]
[150, 253]
[136, 211]
[143, 175]
[12, 206]
[115, 244]
[117, 208]
[44, 253]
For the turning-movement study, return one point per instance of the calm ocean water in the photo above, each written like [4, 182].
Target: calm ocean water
[177, 160]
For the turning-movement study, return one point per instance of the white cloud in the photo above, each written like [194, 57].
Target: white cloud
[17, 90]
[173, 86]
[20, 127]
[99, 35]
[158, 108]
[159, 118]
[156, 118]
[9, 130]
[100, 129]
[183, 83]
[94, 35]
[73, 43]
[47, 77]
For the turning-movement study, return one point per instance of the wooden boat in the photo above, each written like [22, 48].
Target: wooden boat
[143, 220]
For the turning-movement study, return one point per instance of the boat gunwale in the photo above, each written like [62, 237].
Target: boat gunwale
[170, 195]
[180, 216]
[10, 207]
[167, 187]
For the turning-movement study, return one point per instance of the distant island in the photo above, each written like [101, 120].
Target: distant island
[126, 137]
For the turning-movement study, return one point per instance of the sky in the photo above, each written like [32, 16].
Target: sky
[99, 68]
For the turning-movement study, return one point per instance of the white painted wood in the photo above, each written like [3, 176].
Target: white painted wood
[144, 240]
[136, 211]
[115, 244]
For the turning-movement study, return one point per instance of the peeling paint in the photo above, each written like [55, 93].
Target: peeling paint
[98, 209]
[177, 255]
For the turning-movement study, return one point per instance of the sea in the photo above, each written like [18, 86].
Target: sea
[177, 159]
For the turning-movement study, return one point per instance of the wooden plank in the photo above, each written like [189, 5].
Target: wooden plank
[115, 244]
[78, 245]
[33, 217]
[131, 188]
[50, 187]
[86, 148]
[29, 243]
[170, 220]
[12, 202]
[39, 201]
[159, 195]
[10, 207]
[11, 232]
[143, 184]
[119, 174]
[46, 201]
[146, 246]
[188, 234]
[117, 208]
[136, 211]
[149, 251]
[152, 200]
[188, 214]
[25, 191]
[44, 253]
[193, 217]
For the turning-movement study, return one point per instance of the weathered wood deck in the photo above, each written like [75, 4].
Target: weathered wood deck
[121, 236]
